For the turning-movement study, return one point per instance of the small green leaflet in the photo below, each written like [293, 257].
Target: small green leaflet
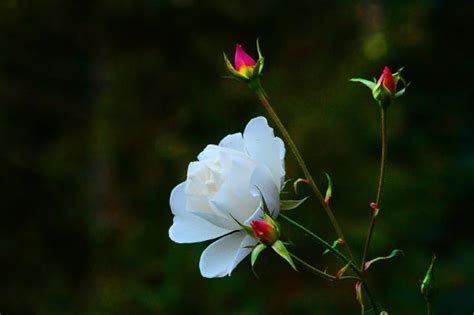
[393, 254]
[291, 204]
[281, 250]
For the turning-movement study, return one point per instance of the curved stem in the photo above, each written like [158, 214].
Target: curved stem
[322, 273]
[378, 200]
[256, 86]
[338, 254]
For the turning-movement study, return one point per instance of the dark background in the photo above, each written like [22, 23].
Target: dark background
[104, 103]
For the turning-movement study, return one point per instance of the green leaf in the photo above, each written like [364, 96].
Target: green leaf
[334, 245]
[291, 204]
[256, 251]
[393, 254]
[281, 250]
[367, 83]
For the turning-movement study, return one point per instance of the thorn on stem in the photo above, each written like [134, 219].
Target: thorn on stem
[375, 207]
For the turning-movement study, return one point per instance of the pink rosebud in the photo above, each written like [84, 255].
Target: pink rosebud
[242, 59]
[265, 232]
[388, 82]
[245, 67]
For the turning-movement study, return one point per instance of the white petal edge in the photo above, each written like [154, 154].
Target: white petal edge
[263, 146]
[281, 149]
[234, 141]
[222, 256]
[178, 199]
[262, 185]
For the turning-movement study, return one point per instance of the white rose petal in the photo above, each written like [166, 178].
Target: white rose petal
[262, 145]
[261, 186]
[223, 190]
[188, 228]
[222, 256]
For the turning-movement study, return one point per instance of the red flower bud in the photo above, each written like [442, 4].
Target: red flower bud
[385, 89]
[245, 67]
[242, 59]
[265, 232]
[388, 81]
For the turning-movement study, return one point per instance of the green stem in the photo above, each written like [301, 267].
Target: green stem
[256, 86]
[338, 254]
[429, 310]
[378, 200]
[323, 243]
[322, 273]
[371, 298]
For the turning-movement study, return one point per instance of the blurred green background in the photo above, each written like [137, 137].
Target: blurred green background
[104, 103]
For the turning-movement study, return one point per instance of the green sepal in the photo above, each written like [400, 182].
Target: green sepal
[291, 204]
[255, 252]
[260, 56]
[232, 70]
[258, 68]
[400, 93]
[382, 95]
[428, 285]
[328, 195]
[283, 186]
[371, 85]
[392, 254]
[265, 207]
[398, 77]
[244, 227]
[297, 182]
[261, 59]
[281, 250]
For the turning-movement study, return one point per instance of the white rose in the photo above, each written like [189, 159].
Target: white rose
[226, 184]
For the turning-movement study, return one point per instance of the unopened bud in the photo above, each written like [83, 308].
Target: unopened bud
[384, 90]
[265, 231]
[245, 67]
